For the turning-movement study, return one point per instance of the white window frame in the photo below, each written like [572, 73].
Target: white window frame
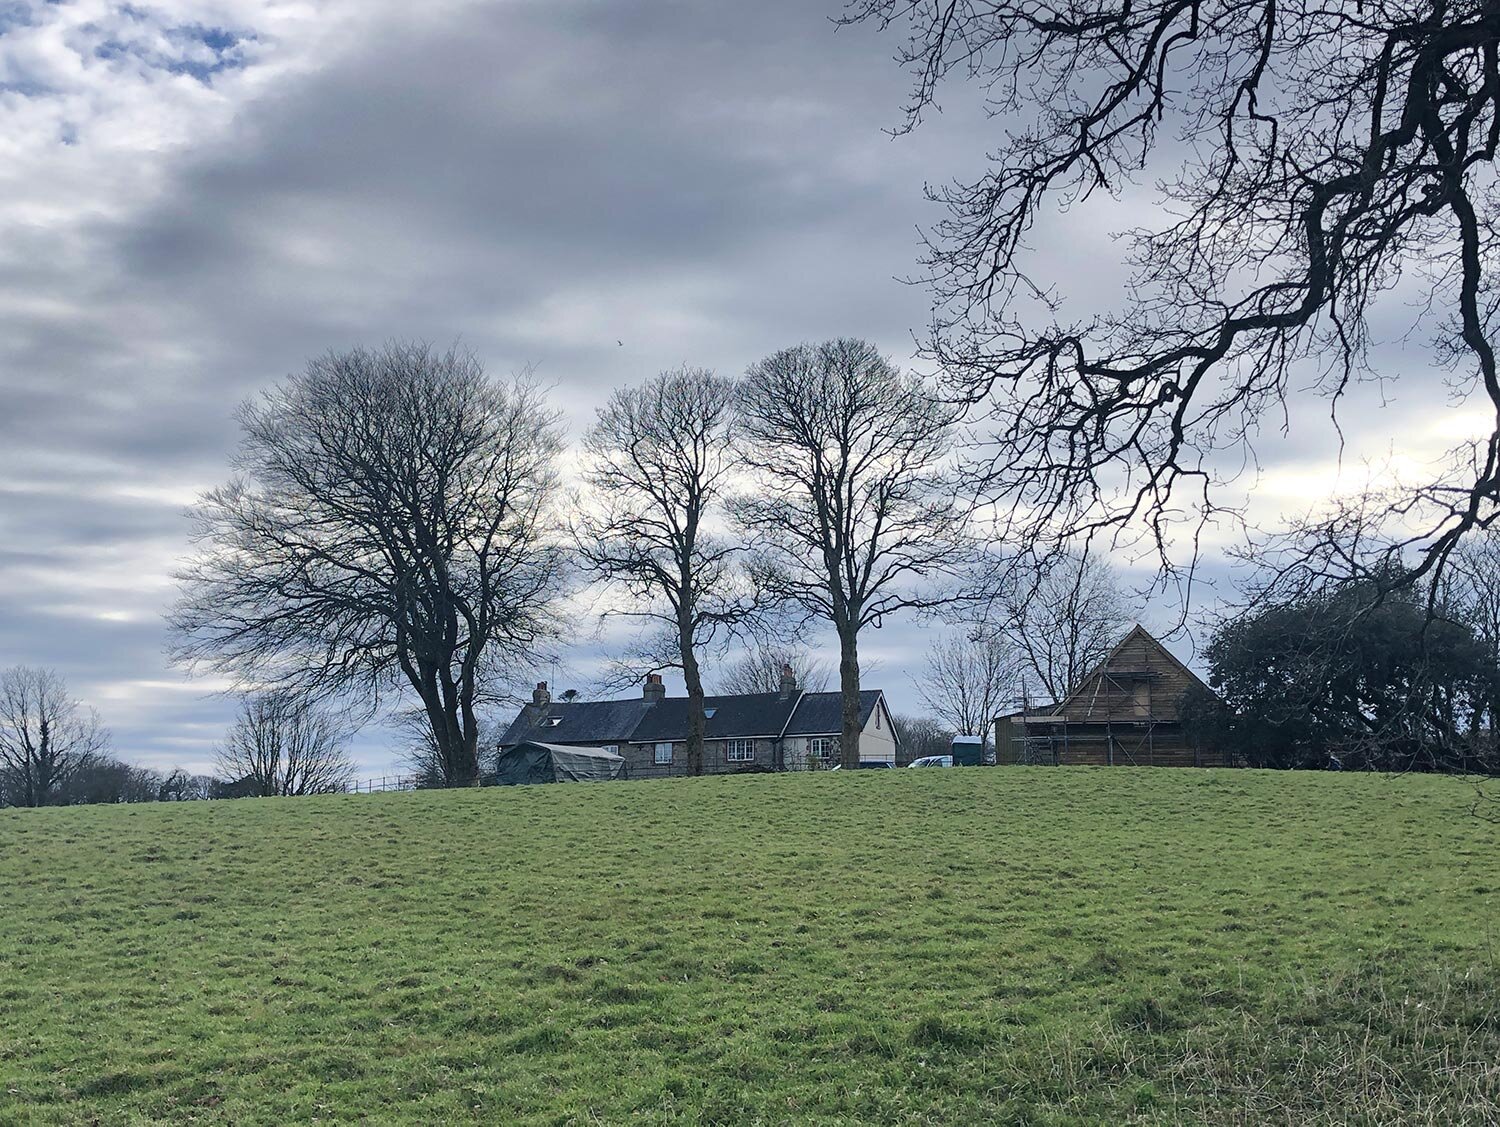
[823, 747]
[660, 749]
[739, 751]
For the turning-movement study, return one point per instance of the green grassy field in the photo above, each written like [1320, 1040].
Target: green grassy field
[1021, 945]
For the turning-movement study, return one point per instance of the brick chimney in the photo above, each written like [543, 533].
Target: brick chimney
[653, 689]
[540, 696]
[788, 680]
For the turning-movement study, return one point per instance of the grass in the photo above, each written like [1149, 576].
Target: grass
[1016, 945]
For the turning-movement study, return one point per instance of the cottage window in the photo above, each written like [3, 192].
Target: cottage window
[739, 751]
[823, 747]
[663, 753]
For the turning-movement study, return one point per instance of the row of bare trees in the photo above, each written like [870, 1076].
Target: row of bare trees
[815, 488]
[55, 750]
[395, 526]
[392, 525]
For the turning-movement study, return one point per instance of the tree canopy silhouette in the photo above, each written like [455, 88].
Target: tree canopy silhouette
[1308, 158]
[391, 526]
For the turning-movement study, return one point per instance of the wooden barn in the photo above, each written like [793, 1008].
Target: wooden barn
[1123, 712]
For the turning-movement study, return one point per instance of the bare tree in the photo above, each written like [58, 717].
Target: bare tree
[967, 679]
[106, 780]
[182, 786]
[759, 670]
[1063, 620]
[282, 744]
[1306, 157]
[391, 525]
[852, 514]
[659, 457]
[46, 737]
[920, 736]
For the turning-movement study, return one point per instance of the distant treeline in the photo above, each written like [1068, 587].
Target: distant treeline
[107, 780]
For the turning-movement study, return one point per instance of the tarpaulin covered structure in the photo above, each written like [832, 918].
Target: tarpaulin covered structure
[532, 762]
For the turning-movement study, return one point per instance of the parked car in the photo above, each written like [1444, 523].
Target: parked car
[932, 761]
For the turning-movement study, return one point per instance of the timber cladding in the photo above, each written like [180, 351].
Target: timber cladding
[1126, 711]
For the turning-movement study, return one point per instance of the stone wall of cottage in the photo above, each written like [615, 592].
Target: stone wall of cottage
[876, 742]
[641, 762]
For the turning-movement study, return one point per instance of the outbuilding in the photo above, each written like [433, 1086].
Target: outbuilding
[1126, 711]
[533, 762]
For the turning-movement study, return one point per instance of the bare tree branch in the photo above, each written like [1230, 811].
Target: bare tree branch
[760, 670]
[1309, 157]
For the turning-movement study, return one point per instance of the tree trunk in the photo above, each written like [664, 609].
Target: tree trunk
[457, 749]
[690, 674]
[468, 760]
[468, 728]
[849, 698]
[460, 751]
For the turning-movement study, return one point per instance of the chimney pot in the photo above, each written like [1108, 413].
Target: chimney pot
[788, 680]
[653, 689]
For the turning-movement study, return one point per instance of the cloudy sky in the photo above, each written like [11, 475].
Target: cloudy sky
[198, 195]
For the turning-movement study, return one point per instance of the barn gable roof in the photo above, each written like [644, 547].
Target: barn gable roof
[1137, 656]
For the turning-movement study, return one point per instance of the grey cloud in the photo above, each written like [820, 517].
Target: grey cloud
[705, 182]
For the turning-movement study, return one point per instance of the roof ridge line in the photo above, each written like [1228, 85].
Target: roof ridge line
[791, 712]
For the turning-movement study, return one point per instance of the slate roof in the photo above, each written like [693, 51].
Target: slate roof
[736, 717]
[821, 714]
[578, 722]
[765, 715]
